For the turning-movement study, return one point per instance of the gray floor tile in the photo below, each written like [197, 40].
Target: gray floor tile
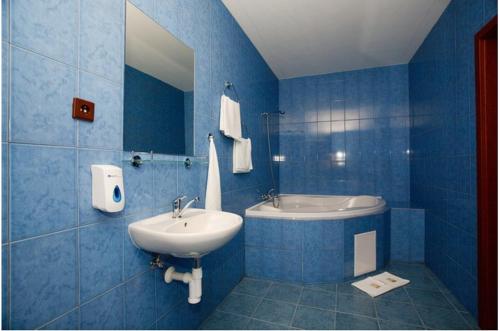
[225, 321]
[313, 319]
[391, 325]
[322, 287]
[318, 299]
[240, 304]
[444, 319]
[252, 286]
[347, 288]
[428, 298]
[454, 301]
[470, 320]
[261, 325]
[398, 294]
[284, 292]
[354, 304]
[275, 311]
[353, 322]
[397, 312]
[421, 281]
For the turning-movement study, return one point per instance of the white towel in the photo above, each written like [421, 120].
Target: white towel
[213, 193]
[242, 155]
[230, 118]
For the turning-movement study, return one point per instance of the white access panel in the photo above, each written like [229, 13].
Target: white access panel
[365, 252]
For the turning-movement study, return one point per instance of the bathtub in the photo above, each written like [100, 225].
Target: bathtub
[318, 207]
[310, 239]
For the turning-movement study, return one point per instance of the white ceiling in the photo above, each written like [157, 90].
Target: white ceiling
[153, 50]
[310, 37]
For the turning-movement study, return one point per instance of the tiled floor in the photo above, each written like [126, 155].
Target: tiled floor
[425, 303]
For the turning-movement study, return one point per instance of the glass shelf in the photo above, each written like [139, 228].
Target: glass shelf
[163, 159]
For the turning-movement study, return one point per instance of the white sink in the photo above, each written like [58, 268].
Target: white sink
[197, 233]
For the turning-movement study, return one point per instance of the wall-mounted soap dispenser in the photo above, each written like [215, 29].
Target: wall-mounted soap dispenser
[107, 188]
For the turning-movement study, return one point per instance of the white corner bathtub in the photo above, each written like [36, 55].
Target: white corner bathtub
[318, 207]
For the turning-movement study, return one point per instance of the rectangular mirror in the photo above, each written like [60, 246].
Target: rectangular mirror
[159, 88]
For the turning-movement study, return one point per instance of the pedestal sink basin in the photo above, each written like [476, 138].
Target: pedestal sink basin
[196, 233]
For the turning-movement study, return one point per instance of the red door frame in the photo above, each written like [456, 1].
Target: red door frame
[487, 191]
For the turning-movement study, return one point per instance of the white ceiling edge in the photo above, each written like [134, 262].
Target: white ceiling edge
[153, 50]
[300, 38]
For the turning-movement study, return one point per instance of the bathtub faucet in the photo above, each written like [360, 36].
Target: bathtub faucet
[271, 195]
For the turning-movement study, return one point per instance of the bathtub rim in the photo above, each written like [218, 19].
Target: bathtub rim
[338, 215]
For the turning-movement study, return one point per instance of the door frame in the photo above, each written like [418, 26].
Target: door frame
[487, 191]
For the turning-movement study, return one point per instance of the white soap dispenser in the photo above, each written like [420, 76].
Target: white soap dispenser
[107, 188]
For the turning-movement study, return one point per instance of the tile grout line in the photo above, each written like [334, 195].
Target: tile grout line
[415, 307]
[296, 307]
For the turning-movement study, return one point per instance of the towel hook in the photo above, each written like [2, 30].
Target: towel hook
[210, 136]
[227, 86]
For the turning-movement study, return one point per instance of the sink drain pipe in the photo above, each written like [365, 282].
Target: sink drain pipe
[193, 279]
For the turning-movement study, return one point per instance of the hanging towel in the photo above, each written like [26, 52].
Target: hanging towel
[242, 155]
[230, 118]
[213, 193]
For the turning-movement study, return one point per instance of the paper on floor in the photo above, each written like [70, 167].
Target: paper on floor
[380, 284]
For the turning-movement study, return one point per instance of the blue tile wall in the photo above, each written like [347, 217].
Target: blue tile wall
[310, 251]
[407, 235]
[443, 144]
[83, 271]
[153, 115]
[347, 133]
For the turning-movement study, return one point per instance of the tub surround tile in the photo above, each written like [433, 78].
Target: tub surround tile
[37, 205]
[39, 83]
[47, 280]
[309, 251]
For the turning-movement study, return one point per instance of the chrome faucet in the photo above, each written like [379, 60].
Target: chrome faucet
[176, 205]
[178, 210]
[270, 195]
